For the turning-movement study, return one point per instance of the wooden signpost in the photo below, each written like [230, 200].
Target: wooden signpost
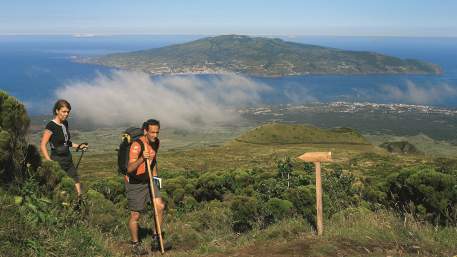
[317, 158]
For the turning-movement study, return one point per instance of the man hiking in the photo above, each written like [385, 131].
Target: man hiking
[136, 182]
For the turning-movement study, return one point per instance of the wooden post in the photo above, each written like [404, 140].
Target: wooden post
[319, 216]
[317, 158]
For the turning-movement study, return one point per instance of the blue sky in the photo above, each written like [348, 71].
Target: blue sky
[212, 17]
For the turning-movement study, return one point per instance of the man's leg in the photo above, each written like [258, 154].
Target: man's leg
[137, 247]
[160, 207]
[136, 205]
[133, 225]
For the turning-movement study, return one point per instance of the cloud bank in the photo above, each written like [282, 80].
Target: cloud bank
[128, 98]
[411, 93]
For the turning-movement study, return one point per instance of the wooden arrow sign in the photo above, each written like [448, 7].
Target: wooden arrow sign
[317, 158]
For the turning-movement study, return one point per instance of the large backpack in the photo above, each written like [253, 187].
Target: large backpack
[129, 136]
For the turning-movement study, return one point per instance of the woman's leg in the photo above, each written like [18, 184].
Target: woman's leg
[78, 189]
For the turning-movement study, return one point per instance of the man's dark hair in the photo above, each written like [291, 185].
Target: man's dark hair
[59, 104]
[151, 122]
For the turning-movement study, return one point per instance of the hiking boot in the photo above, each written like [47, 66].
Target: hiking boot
[79, 204]
[138, 249]
[155, 245]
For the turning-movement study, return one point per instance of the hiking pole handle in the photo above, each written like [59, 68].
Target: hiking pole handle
[82, 148]
[156, 214]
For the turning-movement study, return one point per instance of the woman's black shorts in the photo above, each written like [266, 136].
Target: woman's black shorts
[66, 163]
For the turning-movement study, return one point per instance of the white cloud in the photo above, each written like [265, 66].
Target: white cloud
[129, 98]
[420, 95]
[299, 95]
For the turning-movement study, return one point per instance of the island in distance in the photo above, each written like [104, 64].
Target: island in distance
[259, 56]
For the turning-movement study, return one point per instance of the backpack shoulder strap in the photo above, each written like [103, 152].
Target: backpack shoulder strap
[141, 145]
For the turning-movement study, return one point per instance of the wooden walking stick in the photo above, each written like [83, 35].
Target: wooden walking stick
[156, 214]
[317, 158]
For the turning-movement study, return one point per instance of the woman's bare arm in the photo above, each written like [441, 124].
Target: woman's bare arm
[44, 141]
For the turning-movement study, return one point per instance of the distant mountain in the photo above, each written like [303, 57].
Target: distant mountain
[260, 56]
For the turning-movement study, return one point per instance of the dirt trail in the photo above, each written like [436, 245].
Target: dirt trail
[314, 247]
[299, 247]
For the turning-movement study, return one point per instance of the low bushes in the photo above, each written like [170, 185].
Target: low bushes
[427, 193]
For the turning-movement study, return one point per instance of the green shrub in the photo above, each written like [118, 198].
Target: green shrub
[189, 203]
[375, 195]
[176, 188]
[246, 213]
[14, 123]
[212, 186]
[185, 238]
[444, 165]
[270, 188]
[277, 209]
[241, 180]
[304, 200]
[174, 183]
[351, 214]
[49, 175]
[15, 231]
[112, 188]
[102, 213]
[5, 139]
[308, 167]
[212, 219]
[178, 196]
[338, 188]
[284, 167]
[430, 192]
[67, 184]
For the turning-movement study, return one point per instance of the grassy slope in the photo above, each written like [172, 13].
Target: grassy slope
[259, 147]
[350, 234]
[353, 232]
[276, 133]
[423, 143]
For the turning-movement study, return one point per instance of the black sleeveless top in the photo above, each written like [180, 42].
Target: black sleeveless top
[60, 137]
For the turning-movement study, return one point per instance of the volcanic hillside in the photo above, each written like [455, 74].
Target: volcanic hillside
[275, 133]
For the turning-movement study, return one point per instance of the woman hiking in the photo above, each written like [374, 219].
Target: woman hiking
[57, 135]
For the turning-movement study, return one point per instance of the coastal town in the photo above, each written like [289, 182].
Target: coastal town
[348, 107]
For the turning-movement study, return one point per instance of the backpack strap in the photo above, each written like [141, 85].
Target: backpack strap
[141, 145]
[141, 153]
[154, 161]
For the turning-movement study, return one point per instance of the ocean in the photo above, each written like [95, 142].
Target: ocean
[32, 68]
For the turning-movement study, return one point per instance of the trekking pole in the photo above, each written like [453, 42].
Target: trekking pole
[156, 214]
[81, 156]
